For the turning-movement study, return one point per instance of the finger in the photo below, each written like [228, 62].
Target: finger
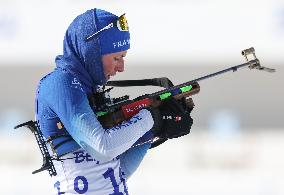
[168, 106]
[176, 106]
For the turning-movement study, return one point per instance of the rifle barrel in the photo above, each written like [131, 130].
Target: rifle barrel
[234, 68]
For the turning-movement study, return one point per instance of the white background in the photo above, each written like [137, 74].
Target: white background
[223, 159]
[161, 31]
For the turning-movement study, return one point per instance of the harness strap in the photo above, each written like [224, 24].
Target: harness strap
[55, 146]
[53, 137]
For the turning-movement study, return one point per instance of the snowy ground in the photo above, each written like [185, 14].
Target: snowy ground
[200, 164]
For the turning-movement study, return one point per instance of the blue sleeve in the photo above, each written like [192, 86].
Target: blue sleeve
[69, 101]
[131, 159]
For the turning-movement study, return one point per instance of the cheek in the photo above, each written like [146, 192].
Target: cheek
[107, 64]
[120, 66]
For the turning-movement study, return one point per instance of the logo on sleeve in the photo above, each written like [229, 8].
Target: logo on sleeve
[76, 84]
[124, 124]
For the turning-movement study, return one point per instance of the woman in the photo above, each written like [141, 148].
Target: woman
[98, 161]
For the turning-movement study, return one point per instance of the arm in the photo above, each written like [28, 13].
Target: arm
[131, 159]
[71, 105]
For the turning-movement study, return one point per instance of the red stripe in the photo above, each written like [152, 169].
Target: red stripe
[131, 109]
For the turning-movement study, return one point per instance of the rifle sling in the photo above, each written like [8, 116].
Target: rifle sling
[160, 82]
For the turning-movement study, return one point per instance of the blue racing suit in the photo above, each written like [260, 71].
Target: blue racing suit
[101, 159]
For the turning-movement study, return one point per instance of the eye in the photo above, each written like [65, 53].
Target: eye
[116, 59]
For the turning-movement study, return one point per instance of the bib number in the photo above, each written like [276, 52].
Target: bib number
[81, 184]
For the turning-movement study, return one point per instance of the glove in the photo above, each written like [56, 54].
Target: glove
[176, 118]
[172, 118]
[188, 104]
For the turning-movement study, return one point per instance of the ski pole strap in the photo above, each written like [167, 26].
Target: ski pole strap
[160, 82]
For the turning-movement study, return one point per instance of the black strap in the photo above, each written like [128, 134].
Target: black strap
[55, 146]
[160, 82]
[51, 138]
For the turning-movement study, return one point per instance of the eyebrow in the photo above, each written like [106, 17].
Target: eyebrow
[121, 56]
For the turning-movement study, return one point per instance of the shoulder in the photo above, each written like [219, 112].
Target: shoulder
[59, 86]
[60, 79]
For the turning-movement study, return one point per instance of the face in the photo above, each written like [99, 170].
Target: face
[113, 63]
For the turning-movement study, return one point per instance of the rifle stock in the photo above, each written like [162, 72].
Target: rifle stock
[130, 108]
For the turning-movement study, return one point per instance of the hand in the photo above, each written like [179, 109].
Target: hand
[172, 118]
[188, 104]
[176, 120]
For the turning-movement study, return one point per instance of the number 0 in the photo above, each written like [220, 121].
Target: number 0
[85, 184]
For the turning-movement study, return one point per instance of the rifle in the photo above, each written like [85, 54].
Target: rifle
[113, 111]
